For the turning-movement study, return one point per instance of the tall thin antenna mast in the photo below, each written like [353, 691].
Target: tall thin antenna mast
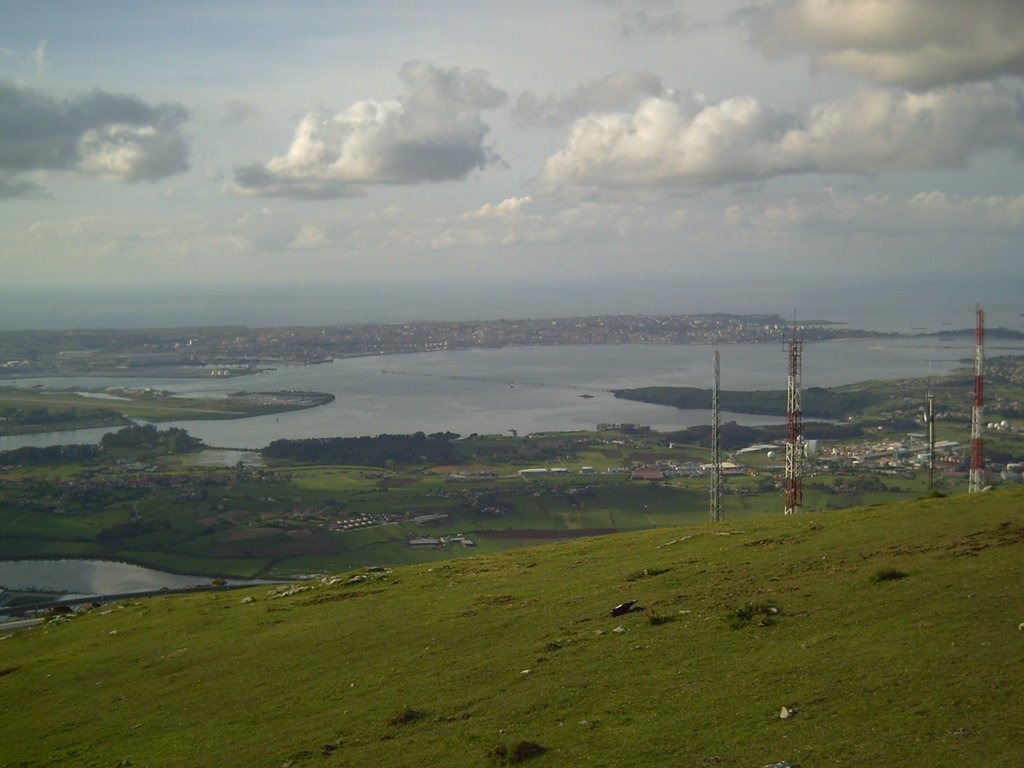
[793, 485]
[929, 417]
[716, 450]
[974, 479]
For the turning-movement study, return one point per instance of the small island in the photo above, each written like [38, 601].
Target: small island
[26, 410]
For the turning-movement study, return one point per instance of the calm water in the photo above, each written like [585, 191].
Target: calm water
[90, 577]
[529, 389]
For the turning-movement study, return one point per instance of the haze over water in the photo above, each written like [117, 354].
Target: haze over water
[872, 305]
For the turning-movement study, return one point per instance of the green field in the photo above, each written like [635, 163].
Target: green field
[172, 514]
[890, 631]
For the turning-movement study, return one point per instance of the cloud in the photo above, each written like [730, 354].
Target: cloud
[11, 186]
[309, 237]
[925, 216]
[434, 132]
[916, 43]
[616, 92]
[111, 136]
[257, 180]
[675, 142]
[22, 60]
[237, 111]
[644, 18]
[39, 56]
[508, 207]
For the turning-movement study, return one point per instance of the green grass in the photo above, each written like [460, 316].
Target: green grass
[460, 663]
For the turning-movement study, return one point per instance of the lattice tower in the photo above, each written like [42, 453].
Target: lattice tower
[975, 481]
[716, 449]
[929, 416]
[793, 488]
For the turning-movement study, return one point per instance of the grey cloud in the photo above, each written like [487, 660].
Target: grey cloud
[236, 111]
[109, 135]
[617, 92]
[434, 132]
[13, 187]
[681, 143]
[916, 43]
[644, 18]
[256, 181]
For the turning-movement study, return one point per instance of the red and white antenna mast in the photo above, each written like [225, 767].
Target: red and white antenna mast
[975, 482]
[793, 487]
[716, 448]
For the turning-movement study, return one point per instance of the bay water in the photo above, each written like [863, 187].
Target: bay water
[526, 389]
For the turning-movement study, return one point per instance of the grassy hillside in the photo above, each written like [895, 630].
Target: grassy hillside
[891, 630]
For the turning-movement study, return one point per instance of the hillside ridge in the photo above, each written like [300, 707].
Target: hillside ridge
[889, 634]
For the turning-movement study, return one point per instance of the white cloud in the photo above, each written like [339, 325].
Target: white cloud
[39, 57]
[918, 43]
[507, 207]
[309, 237]
[675, 143]
[434, 132]
[119, 152]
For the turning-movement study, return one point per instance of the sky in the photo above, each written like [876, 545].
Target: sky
[777, 145]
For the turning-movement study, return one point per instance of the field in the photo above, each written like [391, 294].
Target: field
[889, 633]
[281, 519]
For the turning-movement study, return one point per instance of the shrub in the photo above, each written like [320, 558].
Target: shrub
[517, 753]
[757, 614]
[404, 716]
[889, 574]
[657, 619]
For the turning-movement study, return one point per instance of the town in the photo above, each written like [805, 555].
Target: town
[235, 350]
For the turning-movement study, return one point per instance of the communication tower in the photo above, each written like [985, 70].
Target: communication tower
[716, 450]
[793, 487]
[929, 417]
[975, 481]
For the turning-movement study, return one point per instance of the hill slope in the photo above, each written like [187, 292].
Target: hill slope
[515, 657]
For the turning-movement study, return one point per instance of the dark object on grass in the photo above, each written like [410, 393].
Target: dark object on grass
[889, 574]
[657, 619]
[405, 716]
[516, 753]
[623, 608]
[753, 614]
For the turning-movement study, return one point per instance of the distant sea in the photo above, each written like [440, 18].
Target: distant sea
[887, 307]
